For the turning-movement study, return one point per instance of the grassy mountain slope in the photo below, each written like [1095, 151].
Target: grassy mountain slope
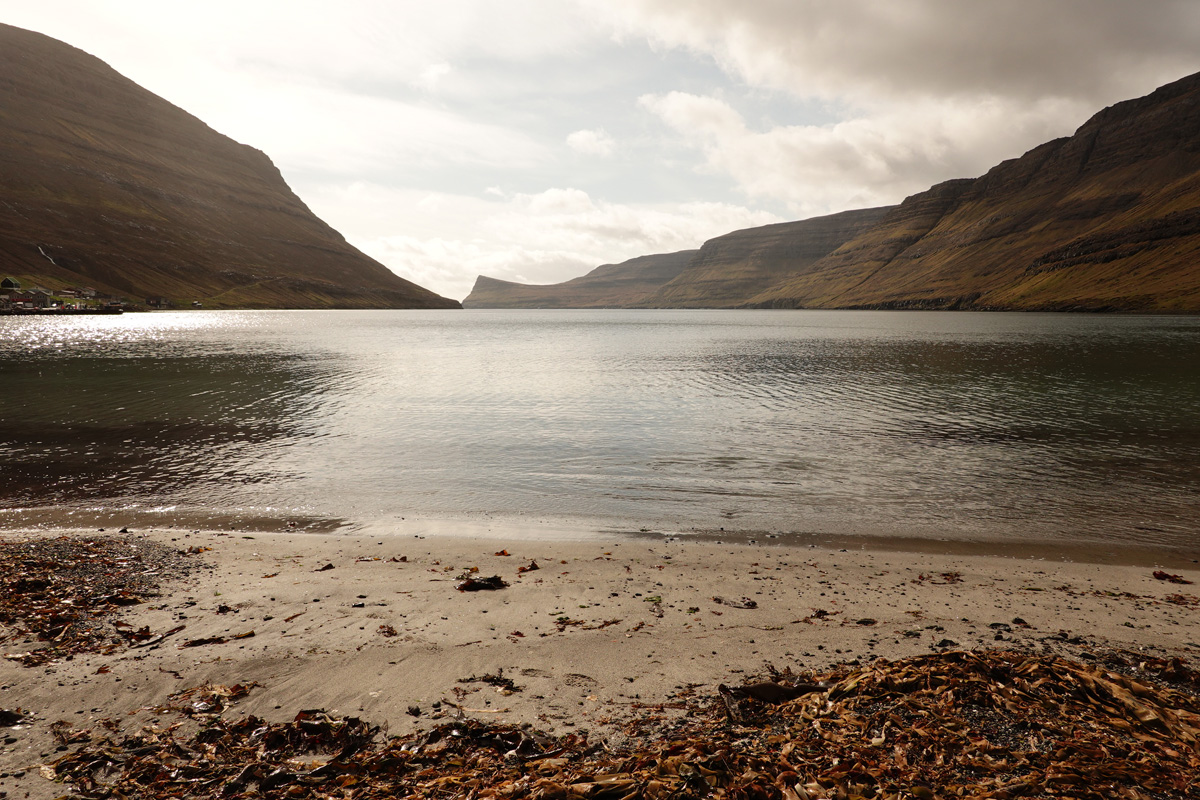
[107, 185]
[730, 268]
[1107, 219]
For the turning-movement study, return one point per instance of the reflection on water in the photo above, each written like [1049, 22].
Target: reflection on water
[149, 410]
[1046, 427]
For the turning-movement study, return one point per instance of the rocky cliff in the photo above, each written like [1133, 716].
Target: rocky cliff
[106, 185]
[607, 286]
[1106, 219]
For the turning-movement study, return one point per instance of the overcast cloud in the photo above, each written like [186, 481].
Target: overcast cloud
[535, 139]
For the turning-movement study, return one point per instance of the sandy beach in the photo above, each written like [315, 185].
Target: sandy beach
[588, 632]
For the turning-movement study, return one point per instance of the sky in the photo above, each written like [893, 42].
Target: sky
[533, 140]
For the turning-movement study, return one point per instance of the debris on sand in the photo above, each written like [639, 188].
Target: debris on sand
[496, 679]
[770, 692]
[990, 724]
[469, 584]
[58, 594]
[745, 602]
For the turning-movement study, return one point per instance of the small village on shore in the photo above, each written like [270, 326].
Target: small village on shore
[15, 300]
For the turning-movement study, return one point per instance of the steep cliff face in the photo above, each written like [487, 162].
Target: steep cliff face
[107, 185]
[731, 268]
[1107, 219]
[607, 286]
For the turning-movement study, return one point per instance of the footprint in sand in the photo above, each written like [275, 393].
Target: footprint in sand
[580, 681]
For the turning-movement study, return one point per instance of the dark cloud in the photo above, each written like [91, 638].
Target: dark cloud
[1093, 50]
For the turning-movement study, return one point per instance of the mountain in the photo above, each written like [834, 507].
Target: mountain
[730, 268]
[106, 185]
[607, 286]
[1106, 219]
[723, 273]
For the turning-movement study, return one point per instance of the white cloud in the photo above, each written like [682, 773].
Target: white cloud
[375, 41]
[704, 116]
[592, 142]
[545, 237]
[873, 159]
[569, 222]
[314, 127]
[554, 202]
[431, 75]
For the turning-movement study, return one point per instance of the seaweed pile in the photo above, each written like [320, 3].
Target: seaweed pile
[56, 594]
[993, 724]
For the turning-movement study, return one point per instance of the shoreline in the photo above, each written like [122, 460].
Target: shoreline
[1107, 551]
[372, 626]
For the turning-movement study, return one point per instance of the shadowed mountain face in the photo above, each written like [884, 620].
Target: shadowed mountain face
[1107, 219]
[607, 286]
[106, 185]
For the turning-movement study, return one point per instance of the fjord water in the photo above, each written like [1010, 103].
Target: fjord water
[974, 426]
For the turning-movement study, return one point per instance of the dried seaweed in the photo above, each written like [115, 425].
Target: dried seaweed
[57, 594]
[959, 724]
[207, 699]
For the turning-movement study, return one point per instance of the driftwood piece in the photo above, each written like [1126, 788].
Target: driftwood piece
[769, 692]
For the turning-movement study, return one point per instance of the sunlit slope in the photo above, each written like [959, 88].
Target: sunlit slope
[607, 286]
[107, 185]
[1106, 219]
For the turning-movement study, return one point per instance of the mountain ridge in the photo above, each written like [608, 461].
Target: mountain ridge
[687, 278]
[1107, 219]
[727, 267]
[606, 286]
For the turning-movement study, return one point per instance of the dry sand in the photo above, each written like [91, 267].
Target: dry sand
[602, 629]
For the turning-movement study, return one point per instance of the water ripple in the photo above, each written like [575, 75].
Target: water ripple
[962, 425]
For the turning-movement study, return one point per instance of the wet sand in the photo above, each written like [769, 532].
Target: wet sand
[373, 626]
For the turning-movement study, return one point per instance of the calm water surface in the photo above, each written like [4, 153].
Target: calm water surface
[1055, 428]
